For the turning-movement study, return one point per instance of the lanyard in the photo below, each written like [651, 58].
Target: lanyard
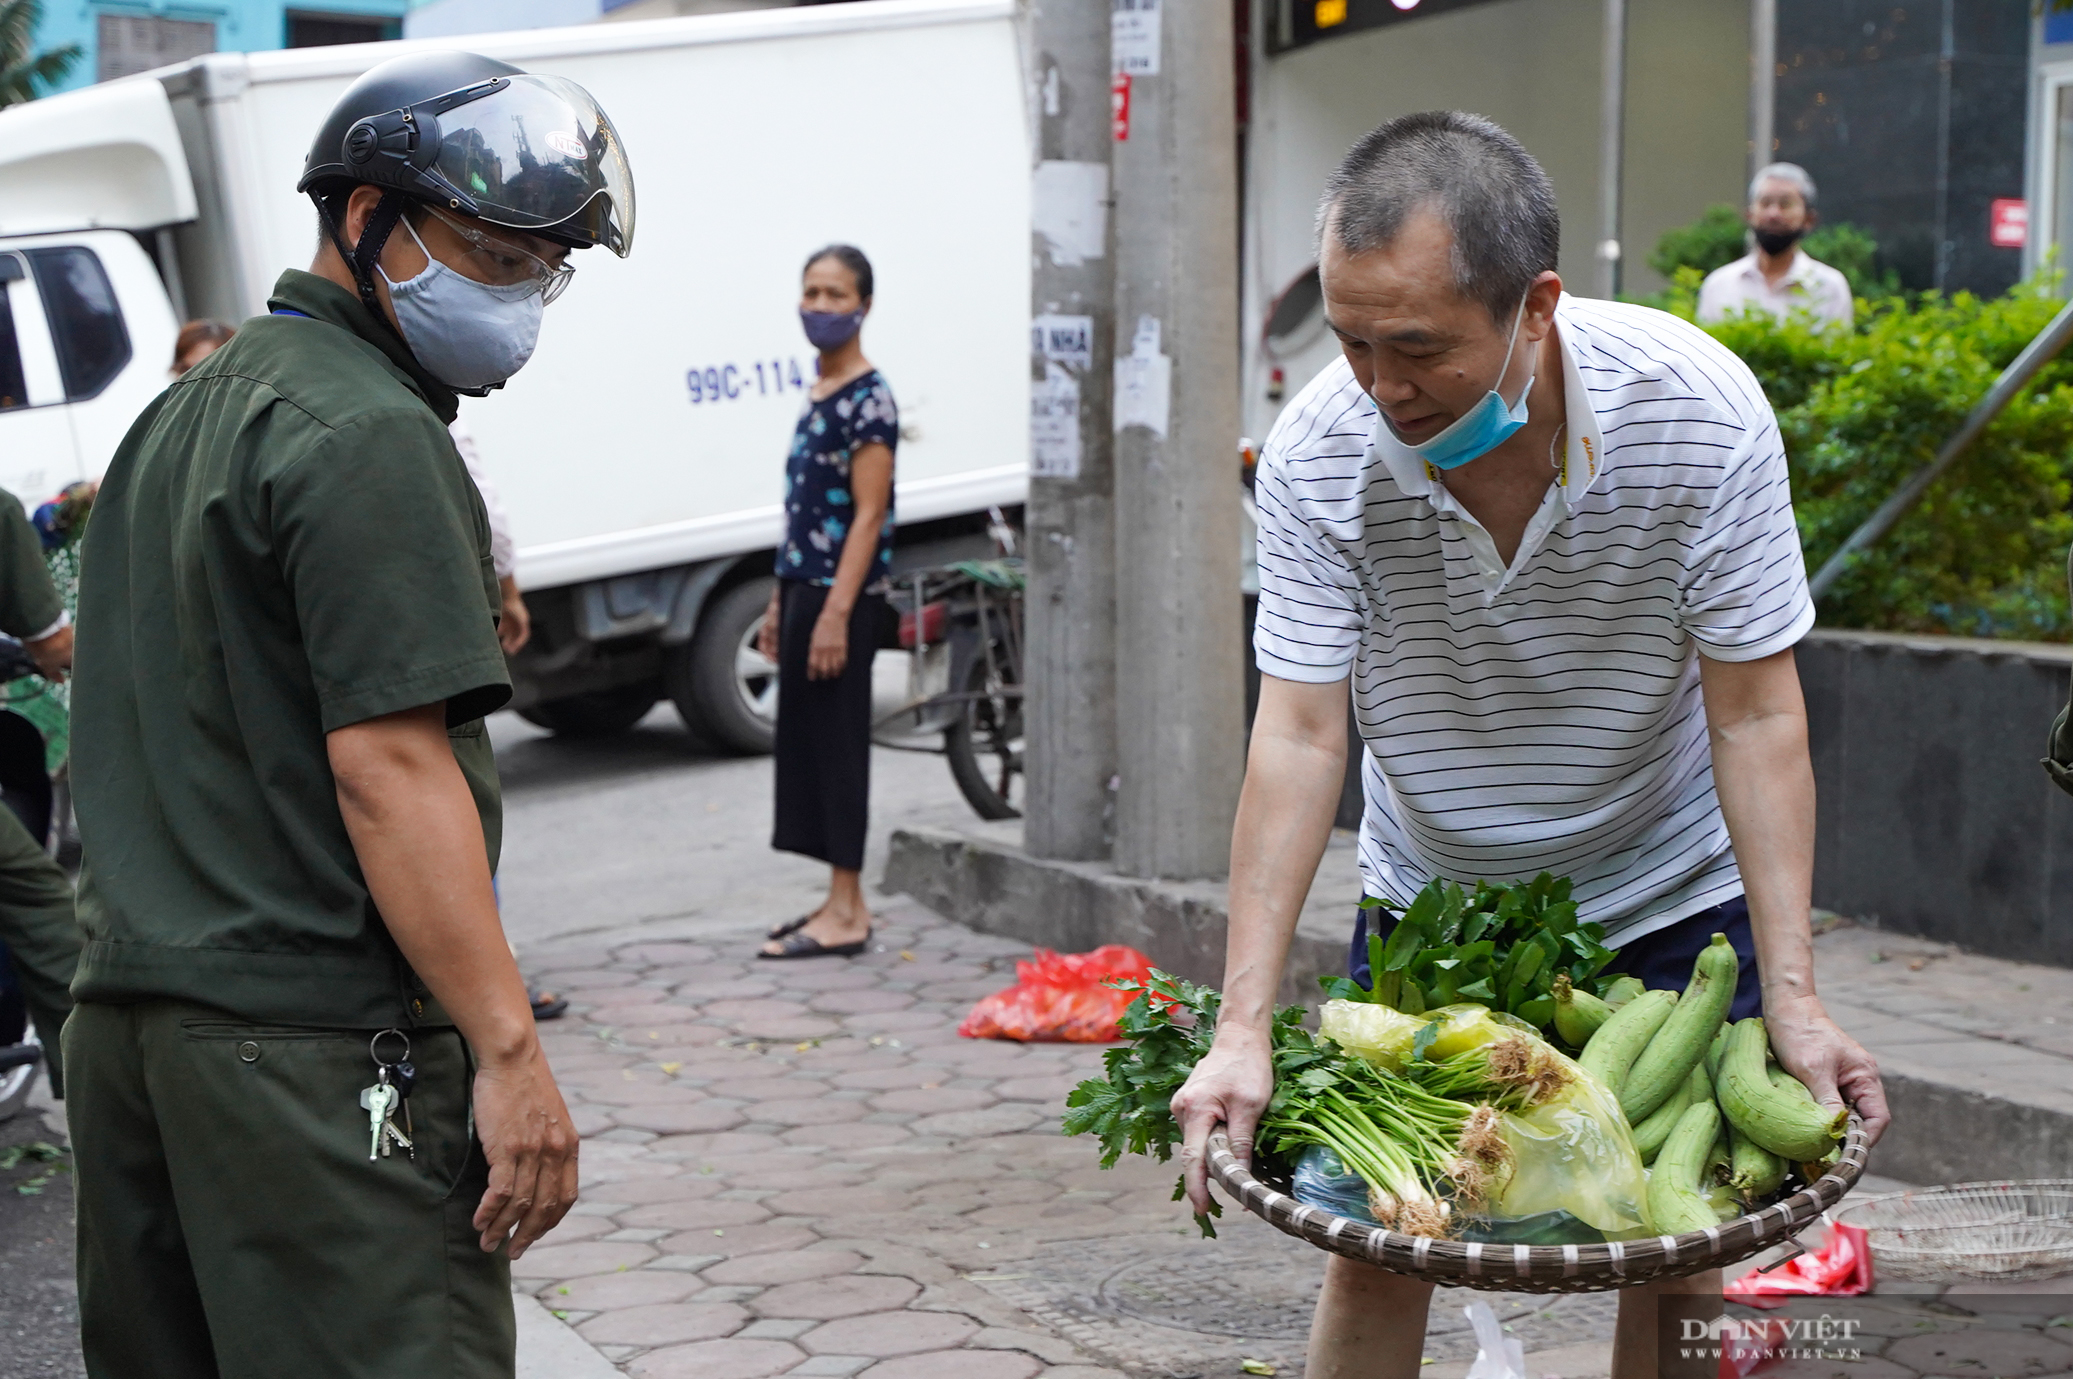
[290, 311]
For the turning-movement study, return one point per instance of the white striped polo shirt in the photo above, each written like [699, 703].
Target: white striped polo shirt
[1545, 717]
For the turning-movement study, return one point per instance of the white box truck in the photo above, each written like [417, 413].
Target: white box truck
[640, 454]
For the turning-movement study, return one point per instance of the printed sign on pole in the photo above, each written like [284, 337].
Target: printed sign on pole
[1133, 37]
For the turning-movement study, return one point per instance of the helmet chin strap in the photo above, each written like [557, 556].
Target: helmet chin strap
[361, 259]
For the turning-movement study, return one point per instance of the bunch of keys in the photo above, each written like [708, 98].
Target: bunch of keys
[389, 1094]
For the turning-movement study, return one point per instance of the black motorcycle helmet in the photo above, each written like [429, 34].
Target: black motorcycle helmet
[473, 135]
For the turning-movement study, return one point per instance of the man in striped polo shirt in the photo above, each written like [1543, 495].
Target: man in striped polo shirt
[1547, 545]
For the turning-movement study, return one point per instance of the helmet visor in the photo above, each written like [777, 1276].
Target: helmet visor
[537, 154]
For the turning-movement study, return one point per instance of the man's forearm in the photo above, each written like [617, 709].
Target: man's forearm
[1765, 781]
[413, 825]
[1284, 821]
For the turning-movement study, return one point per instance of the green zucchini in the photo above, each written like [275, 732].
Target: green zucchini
[1621, 990]
[1719, 1047]
[1650, 1134]
[1619, 1040]
[1789, 1124]
[1680, 1044]
[1578, 1014]
[1756, 1172]
[1676, 1200]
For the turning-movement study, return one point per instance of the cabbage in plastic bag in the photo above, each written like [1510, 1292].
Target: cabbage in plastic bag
[1385, 1037]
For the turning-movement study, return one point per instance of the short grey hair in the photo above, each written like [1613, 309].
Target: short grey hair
[1489, 191]
[1784, 172]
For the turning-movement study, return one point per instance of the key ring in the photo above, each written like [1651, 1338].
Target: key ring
[381, 1062]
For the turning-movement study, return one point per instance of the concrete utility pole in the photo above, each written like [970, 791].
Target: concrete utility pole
[1179, 674]
[1612, 132]
[1069, 712]
[1763, 80]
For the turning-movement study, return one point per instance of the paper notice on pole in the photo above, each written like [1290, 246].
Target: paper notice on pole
[1069, 208]
[1067, 340]
[1054, 425]
[1144, 382]
[1133, 37]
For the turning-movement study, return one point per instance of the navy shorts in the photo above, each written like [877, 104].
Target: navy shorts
[1662, 959]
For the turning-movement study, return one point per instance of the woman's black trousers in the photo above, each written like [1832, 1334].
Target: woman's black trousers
[824, 732]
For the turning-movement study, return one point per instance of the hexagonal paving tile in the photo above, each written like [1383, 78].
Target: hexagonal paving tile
[889, 1333]
[824, 1299]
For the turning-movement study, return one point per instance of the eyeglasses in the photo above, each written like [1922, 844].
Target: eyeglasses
[503, 264]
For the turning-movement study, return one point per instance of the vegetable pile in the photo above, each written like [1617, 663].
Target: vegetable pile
[1462, 1119]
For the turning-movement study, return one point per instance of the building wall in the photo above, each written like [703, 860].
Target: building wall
[1911, 118]
[1533, 66]
[236, 25]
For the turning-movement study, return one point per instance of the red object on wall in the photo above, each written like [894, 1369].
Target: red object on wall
[1119, 106]
[2008, 222]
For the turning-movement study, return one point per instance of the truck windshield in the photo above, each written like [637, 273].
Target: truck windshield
[85, 321]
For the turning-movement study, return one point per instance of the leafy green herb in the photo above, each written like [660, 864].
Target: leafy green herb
[1499, 946]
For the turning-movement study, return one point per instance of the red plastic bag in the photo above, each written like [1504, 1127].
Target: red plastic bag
[1839, 1268]
[1061, 997]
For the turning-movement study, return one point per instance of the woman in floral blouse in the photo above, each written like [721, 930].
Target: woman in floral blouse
[822, 628]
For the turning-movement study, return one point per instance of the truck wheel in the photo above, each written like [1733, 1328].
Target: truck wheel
[725, 689]
[596, 713]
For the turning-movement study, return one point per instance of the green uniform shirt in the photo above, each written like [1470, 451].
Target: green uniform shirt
[29, 601]
[286, 543]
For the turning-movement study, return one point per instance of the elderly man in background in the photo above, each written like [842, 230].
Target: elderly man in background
[1779, 277]
[1546, 546]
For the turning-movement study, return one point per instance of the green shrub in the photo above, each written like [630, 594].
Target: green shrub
[1984, 553]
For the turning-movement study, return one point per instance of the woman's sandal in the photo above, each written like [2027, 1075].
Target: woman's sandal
[807, 946]
[790, 926]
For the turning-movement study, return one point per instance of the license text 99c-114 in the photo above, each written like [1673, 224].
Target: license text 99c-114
[728, 382]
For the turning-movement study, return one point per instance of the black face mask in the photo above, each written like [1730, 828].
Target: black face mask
[1777, 241]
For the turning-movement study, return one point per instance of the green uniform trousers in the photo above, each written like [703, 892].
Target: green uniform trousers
[231, 1225]
[40, 930]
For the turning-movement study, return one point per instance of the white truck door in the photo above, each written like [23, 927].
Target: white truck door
[36, 449]
[113, 330]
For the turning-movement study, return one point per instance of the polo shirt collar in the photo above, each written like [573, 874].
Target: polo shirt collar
[1583, 445]
[1800, 273]
[306, 294]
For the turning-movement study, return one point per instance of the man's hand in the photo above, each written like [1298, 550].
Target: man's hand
[766, 635]
[1229, 1087]
[515, 625]
[531, 1146]
[52, 654]
[828, 652]
[1835, 1067]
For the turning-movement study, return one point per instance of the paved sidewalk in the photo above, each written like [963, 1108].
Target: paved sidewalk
[800, 1168]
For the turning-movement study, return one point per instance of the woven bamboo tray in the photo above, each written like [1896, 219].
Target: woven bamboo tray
[1543, 1268]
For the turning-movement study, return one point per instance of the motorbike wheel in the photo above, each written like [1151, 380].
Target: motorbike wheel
[984, 744]
[18, 1081]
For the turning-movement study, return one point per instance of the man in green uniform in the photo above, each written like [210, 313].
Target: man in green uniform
[36, 920]
[285, 790]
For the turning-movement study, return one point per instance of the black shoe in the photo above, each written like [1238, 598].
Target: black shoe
[807, 946]
[547, 1005]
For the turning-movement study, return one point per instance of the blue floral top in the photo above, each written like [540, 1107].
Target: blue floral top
[818, 506]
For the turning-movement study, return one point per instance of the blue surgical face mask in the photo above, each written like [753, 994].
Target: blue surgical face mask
[829, 330]
[466, 334]
[1483, 427]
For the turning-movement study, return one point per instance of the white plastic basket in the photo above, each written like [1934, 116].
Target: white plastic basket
[1983, 1232]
